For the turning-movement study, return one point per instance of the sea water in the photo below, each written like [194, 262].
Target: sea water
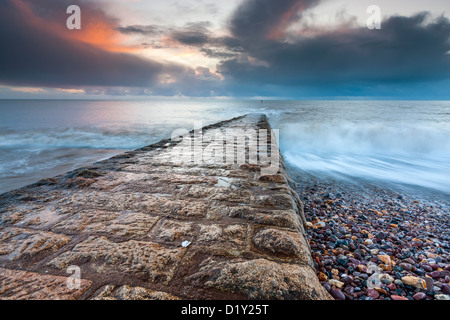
[401, 142]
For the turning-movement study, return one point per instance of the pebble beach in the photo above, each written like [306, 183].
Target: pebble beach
[372, 242]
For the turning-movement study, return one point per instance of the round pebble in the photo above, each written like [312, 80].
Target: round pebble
[357, 237]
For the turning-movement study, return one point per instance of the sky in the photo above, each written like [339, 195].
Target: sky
[284, 49]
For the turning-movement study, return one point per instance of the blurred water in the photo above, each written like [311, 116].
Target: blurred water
[405, 142]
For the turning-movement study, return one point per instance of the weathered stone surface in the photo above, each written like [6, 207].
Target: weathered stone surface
[173, 231]
[262, 279]
[127, 223]
[22, 285]
[146, 225]
[110, 292]
[276, 178]
[157, 262]
[222, 235]
[16, 243]
[31, 215]
[277, 201]
[279, 218]
[283, 242]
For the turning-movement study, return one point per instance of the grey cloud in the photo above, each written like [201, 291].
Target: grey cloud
[195, 34]
[405, 50]
[38, 57]
[190, 38]
[217, 53]
[254, 19]
[152, 30]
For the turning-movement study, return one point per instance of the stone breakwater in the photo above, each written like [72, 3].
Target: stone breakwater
[141, 226]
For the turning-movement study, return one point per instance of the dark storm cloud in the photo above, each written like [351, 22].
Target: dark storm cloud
[192, 34]
[149, 30]
[406, 49]
[33, 56]
[195, 34]
[217, 53]
[205, 40]
[190, 38]
[262, 54]
[258, 18]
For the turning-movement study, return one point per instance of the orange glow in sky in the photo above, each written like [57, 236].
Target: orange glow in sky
[103, 35]
[96, 30]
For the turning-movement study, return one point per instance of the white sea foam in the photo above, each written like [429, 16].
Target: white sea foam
[418, 155]
[95, 138]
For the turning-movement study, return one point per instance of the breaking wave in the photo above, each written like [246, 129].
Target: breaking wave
[418, 155]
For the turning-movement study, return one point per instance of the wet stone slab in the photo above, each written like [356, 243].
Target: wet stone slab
[22, 285]
[145, 225]
[110, 292]
[260, 279]
[145, 259]
[129, 224]
[18, 243]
